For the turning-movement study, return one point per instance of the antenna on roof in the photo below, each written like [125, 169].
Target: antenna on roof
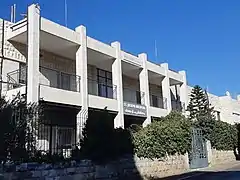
[13, 13]
[156, 51]
[65, 11]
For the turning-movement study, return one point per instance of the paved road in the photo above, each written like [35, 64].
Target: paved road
[228, 174]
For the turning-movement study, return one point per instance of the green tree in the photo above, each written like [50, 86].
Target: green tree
[200, 111]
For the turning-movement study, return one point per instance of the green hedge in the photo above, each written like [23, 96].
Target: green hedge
[224, 136]
[168, 135]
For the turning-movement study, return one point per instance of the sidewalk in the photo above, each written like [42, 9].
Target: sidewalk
[198, 173]
[219, 167]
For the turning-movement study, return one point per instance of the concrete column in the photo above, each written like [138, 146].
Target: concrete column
[166, 87]
[144, 86]
[33, 53]
[81, 70]
[183, 90]
[117, 80]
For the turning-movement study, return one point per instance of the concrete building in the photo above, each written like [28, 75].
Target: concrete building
[226, 108]
[73, 75]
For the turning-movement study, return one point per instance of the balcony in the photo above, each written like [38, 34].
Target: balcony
[102, 89]
[48, 77]
[59, 80]
[133, 96]
[177, 105]
[16, 78]
[158, 102]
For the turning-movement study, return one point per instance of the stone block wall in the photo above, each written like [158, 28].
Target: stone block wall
[84, 170]
[160, 168]
[220, 157]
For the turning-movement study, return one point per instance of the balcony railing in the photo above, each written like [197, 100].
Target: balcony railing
[48, 77]
[157, 101]
[60, 80]
[134, 96]
[102, 89]
[16, 78]
[178, 105]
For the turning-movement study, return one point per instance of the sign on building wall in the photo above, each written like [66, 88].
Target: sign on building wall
[134, 109]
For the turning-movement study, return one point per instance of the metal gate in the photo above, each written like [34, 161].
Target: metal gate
[198, 155]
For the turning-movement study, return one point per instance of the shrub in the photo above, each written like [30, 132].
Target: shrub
[102, 143]
[166, 136]
[224, 136]
[17, 119]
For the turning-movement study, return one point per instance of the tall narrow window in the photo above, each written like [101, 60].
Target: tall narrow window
[22, 73]
[105, 87]
[138, 96]
[218, 117]
[155, 101]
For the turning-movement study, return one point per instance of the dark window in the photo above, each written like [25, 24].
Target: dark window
[138, 95]
[154, 101]
[22, 73]
[217, 115]
[105, 87]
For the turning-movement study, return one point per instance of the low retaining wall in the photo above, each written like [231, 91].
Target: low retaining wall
[170, 166]
[219, 157]
[128, 167]
[85, 170]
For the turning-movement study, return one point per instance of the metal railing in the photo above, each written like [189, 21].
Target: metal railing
[56, 139]
[134, 96]
[177, 105]
[157, 101]
[16, 78]
[60, 80]
[102, 89]
[48, 77]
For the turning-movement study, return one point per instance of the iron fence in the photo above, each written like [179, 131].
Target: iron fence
[55, 139]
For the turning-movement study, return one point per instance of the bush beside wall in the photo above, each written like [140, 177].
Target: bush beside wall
[224, 136]
[169, 135]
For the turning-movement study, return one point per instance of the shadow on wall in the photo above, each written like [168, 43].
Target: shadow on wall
[106, 146]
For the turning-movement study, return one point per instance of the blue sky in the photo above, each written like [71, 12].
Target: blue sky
[199, 36]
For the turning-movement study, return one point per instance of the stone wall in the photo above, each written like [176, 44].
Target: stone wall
[128, 167]
[156, 168]
[85, 170]
[220, 157]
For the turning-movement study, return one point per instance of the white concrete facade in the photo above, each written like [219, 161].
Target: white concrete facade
[67, 67]
[55, 49]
